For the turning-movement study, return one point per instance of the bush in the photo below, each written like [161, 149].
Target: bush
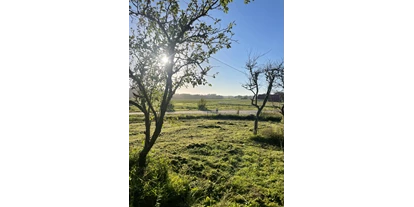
[202, 104]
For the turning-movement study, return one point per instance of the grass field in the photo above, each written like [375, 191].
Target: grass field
[213, 104]
[214, 162]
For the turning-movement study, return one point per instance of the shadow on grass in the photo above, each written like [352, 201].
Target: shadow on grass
[275, 140]
[231, 117]
[251, 117]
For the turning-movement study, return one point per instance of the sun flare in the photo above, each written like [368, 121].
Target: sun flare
[164, 59]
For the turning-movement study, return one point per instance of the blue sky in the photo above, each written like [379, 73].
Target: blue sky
[259, 28]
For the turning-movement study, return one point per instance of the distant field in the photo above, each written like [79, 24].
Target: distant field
[213, 104]
[219, 159]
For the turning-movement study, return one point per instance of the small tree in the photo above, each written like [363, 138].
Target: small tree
[202, 104]
[167, 49]
[253, 84]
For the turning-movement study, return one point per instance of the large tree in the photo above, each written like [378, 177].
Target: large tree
[271, 72]
[170, 44]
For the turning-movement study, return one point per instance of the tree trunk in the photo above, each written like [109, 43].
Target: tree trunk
[143, 158]
[255, 125]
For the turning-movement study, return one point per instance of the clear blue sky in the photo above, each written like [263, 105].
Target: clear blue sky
[259, 28]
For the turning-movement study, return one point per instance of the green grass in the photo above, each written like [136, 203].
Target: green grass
[214, 162]
[275, 117]
[213, 104]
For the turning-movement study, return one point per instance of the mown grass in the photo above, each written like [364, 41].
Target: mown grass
[213, 104]
[275, 117]
[211, 162]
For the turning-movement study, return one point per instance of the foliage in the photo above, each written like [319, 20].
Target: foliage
[168, 46]
[202, 104]
[224, 3]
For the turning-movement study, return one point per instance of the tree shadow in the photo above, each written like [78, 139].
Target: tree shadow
[275, 140]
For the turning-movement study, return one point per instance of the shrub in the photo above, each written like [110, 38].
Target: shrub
[202, 104]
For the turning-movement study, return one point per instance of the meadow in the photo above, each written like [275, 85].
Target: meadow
[210, 161]
[213, 104]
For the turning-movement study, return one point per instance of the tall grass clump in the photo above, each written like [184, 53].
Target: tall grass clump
[271, 136]
[156, 186]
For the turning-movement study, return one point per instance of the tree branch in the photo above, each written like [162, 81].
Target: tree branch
[148, 16]
[137, 105]
[144, 93]
[204, 12]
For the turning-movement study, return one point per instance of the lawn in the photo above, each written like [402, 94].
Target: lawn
[216, 161]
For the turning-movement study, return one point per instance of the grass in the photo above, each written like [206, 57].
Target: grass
[275, 117]
[213, 104]
[212, 162]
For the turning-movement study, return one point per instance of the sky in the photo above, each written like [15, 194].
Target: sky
[259, 28]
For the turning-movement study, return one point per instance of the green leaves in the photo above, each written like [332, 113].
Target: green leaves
[174, 8]
[231, 24]
[224, 4]
[163, 28]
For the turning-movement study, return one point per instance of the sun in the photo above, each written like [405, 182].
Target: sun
[164, 59]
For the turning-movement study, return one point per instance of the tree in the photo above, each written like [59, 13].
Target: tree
[167, 50]
[202, 104]
[270, 71]
[280, 84]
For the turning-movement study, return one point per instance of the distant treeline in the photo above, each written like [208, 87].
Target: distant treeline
[208, 96]
[276, 97]
[198, 96]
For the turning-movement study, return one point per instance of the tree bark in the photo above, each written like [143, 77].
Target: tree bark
[143, 158]
[255, 125]
[150, 140]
